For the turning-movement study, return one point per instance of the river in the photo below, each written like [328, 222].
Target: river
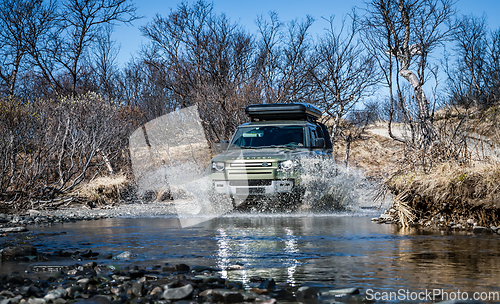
[339, 250]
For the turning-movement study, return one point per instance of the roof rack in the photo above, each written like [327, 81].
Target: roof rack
[283, 111]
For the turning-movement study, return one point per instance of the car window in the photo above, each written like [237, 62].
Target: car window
[266, 136]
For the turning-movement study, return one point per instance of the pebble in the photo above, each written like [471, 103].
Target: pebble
[13, 229]
[178, 293]
[480, 229]
[306, 294]
[124, 256]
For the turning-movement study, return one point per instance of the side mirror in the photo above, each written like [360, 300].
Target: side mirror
[224, 144]
[319, 143]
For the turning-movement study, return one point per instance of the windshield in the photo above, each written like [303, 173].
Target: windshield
[269, 136]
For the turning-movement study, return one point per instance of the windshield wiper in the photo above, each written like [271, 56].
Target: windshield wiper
[280, 146]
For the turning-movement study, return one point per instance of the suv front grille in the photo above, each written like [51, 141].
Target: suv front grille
[251, 169]
[250, 183]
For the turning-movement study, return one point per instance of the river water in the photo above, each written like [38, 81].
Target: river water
[338, 250]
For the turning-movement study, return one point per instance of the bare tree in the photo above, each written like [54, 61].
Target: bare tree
[21, 23]
[408, 32]
[68, 41]
[467, 75]
[344, 73]
[283, 60]
[105, 68]
[202, 58]
[493, 81]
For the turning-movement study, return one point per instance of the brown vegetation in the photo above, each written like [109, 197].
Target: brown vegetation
[50, 147]
[462, 180]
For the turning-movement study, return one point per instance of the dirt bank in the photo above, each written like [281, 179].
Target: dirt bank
[450, 195]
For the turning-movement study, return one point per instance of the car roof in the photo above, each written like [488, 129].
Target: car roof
[276, 123]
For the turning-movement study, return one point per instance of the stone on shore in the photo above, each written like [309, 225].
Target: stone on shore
[178, 293]
[13, 229]
[13, 252]
[306, 294]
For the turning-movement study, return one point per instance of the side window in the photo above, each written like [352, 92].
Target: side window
[319, 131]
[313, 135]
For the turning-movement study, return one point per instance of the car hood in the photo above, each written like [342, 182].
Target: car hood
[266, 153]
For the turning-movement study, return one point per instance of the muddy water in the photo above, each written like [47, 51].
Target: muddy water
[340, 250]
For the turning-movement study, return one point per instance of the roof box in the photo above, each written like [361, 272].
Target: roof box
[283, 111]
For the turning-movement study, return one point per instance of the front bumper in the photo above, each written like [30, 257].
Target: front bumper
[238, 188]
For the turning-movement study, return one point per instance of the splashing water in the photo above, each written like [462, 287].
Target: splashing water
[332, 187]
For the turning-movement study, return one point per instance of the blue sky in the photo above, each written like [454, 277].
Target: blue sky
[245, 12]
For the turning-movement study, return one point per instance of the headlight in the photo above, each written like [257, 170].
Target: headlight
[218, 166]
[287, 165]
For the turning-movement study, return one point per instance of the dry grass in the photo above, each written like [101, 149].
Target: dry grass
[104, 190]
[475, 182]
[455, 191]
[378, 156]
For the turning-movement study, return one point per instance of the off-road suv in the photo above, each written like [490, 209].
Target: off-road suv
[263, 158]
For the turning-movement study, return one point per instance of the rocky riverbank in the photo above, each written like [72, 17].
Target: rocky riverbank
[93, 283]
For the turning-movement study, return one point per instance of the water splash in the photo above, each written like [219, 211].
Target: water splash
[333, 187]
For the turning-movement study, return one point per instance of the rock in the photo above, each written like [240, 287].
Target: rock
[259, 291]
[59, 301]
[83, 281]
[270, 301]
[56, 294]
[494, 228]
[182, 267]
[124, 255]
[235, 285]
[12, 252]
[113, 268]
[138, 289]
[156, 291]
[36, 301]
[73, 290]
[90, 265]
[206, 293]
[306, 294]
[168, 269]
[13, 229]
[99, 299]
[227, 296]
[268, 284]
[7, 294]
[203, 268]
[86, 272]
[457, 226]
[480, 229]
[375, 219]
[29, 291]
[14, 300]
[340, 292]
[235, 267]
[178, 293]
